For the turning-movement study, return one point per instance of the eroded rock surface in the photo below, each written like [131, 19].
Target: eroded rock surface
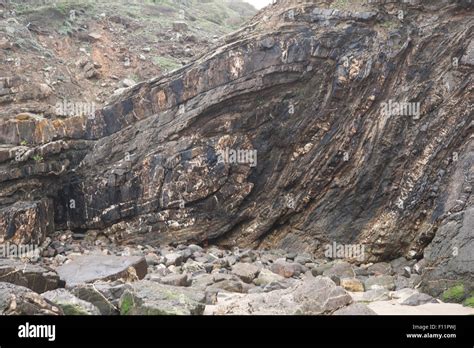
[87, 269]
[311, 97]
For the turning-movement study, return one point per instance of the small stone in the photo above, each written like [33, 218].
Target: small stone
[180, 26]
[340, 269]
[355, 309]
[195, 248]
[352, 284]
[291, 256]
[407, 272]
[381, 268]
[245, 271]
[380, 282]
[303, 259]
[192, 266]
[286, 269]
[94, 36]
[175, 280]
[174, 259]
[371, 295]
[266, 277]
[418, 299]
[229, 285]
[319, 270]
[128, 83]
[152, 259]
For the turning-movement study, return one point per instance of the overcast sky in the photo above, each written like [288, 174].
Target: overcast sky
[259, 3]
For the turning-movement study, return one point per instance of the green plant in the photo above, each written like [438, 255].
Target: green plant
[469, 302]
[126, 304]
[23, 143]
[454, 294]
[38, 158]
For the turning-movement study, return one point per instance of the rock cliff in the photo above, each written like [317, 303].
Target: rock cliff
[350, 125]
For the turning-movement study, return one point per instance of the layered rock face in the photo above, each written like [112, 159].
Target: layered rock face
[307, 127]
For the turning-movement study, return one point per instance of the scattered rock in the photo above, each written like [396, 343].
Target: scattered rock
[28, 275]
[310, 297]
[230, 285]
[380, 282]
[104, 296]
[128, 83]
[381, 268]
[150, 298]
[18, 300]
[245, 271]
[371, 295]
[404, 282]
[286, 269]
[175, 280]
[70, 304]
[174, 259]
[180, 26]
[90, 268]
[94, 37]
[355, 309]
[340, 269]
[266, 277]
[418, 299]
[352, 284]
[303, 259]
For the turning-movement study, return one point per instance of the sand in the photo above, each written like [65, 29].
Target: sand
[393, 308]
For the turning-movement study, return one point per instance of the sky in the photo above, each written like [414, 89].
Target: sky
[258, 3]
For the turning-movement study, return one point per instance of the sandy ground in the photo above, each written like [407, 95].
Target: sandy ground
[393, 308]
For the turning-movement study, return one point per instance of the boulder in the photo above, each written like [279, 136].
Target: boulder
[266, 277]
[18, 300]
[371, 295]
[91, 268]
[352, 284]
[308, 297]
[303, 258]
[380, 282]
[418, 299]
[355, 309]
[381, 268]
[175, 280]
[230, 285]
[104, 295]
[286, 269]
[340, 269]
[173, 259]
[70, 304]
[151, 298]
[245, 271]
[34, 277]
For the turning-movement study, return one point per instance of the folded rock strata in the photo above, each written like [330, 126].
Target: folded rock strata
[353, 126]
